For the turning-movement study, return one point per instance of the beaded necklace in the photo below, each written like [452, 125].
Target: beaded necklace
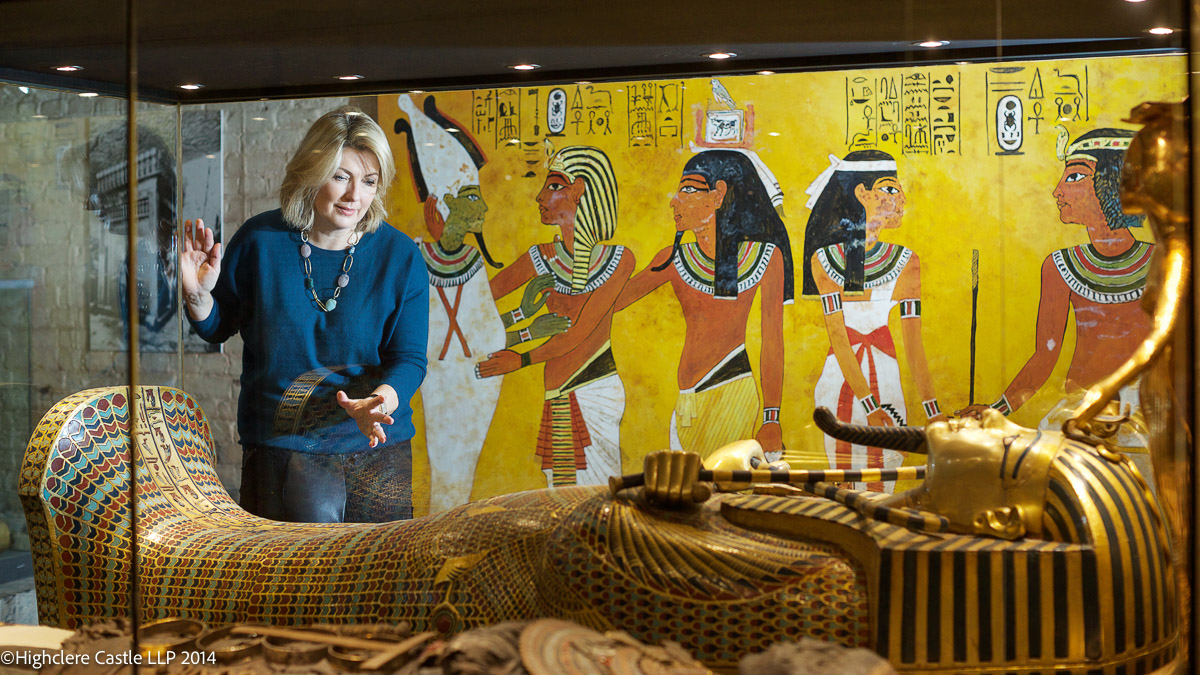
[343, 279]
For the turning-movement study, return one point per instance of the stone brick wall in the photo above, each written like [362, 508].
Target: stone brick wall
[44, 237]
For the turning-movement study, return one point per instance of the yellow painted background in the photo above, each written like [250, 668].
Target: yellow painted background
[1001, 205]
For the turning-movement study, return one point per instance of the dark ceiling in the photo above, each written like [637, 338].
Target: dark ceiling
[268, 48]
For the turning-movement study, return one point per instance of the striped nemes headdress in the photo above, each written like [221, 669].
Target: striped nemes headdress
[596, 219]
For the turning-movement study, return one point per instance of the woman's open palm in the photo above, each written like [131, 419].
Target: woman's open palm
[200, 259]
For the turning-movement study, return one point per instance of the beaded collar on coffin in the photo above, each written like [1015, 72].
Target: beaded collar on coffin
[342, 280]
[884, 262]
[604, 262]
[699, 271]
[448, 268]
[1104, 279]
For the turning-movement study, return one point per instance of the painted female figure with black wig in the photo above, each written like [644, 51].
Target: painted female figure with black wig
[740, 247]
[580, 438]
[860, 280]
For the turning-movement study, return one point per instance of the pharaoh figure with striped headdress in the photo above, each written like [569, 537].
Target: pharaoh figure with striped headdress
[860, 279]
[1102, 281]
[579, 440]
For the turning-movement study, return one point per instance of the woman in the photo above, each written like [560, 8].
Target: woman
[741, 246]
[580, 439]
[860, 280]
[325, 300]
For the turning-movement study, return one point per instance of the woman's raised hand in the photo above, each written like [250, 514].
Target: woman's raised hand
[199, 267]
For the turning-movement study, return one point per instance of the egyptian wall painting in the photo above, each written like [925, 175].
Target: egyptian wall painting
[618, 268]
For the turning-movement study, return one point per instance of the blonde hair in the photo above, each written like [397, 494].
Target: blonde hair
[320, 154]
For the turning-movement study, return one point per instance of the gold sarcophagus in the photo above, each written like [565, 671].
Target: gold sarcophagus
[1077, 576]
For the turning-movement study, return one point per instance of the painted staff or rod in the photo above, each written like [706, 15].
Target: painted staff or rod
[974, 318]
[796, 477]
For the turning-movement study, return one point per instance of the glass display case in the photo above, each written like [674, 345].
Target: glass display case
[681, 237]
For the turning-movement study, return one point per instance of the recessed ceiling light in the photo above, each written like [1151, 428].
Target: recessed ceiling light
[962, 63]
[931, 44]
[1161, 30]
[68, 69]
[349, 77]
[191, 87]
[584, 82]
[416, 91]
[766, 72]
[720, 55]
[89, 94]
[525, 66]
[1135, 0]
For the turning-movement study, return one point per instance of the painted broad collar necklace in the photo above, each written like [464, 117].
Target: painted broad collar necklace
[447, 268]
[603, 263]
[883, 263]
[1104, 279]
[699, 271]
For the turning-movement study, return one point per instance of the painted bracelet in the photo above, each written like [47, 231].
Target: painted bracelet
[910, 309]
[932, 409]
[831, 302]
[512, 318]
[869, 403]
[524, 335]
[526, 359]
[770, 416]
[1003, 405]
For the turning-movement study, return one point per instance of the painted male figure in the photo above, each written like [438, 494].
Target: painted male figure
[1101, 281]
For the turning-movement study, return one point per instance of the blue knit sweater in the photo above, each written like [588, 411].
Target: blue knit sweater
[376, 335]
